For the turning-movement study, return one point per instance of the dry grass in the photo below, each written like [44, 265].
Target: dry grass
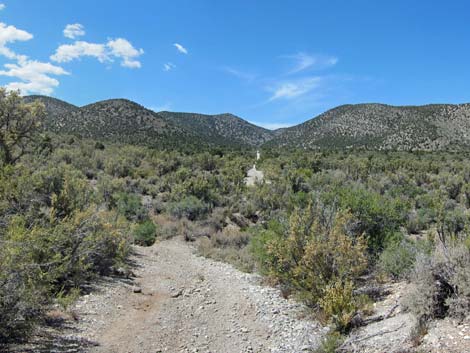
[229, 245]
[167, 226]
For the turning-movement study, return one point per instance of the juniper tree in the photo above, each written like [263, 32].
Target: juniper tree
[19, 123]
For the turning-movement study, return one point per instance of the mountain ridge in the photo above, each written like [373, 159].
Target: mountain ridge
[362, 126]
[122, 120]
[221, 127]
[383, 127]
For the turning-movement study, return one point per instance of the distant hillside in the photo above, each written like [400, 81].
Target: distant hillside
[121, 120]
[378, 126]
[370, 126]
[221, 129]
[54, 107]
[116, 120]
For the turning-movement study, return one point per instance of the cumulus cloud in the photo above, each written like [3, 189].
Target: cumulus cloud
[293, 89]
[122, 48]
[180, 48]
[303, 61]
[69, 52]
[168, 66]
[74, 31]
[34, 76]
[11, 34]
[115, 48]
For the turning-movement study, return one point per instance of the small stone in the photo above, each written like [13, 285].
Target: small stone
[176, 294]
[137, 290]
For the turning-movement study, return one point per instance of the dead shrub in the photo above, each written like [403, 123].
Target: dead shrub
[441, 282]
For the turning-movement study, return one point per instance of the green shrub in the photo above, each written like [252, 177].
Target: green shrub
[74, 195]
[338, 304]
[99, 146]
[313, 257]
[377, 217]
[130, 206]
[189, 207]
[119, 167]
[38, 262]
[418, 221]
[145, 233]
[330, 343]
[398, 258]
[22, 290]
[89, 243]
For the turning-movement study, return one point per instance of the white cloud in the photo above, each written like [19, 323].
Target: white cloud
[34, 76]
[69, 52]
[180, 48]
[74, 30]
[303, 61]
[115, 48]
[11, 34]
[122, 48]
[168, 66]
[2, 6]
[293, 89]
[272, 126]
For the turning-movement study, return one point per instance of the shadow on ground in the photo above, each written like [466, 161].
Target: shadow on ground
[59, 335]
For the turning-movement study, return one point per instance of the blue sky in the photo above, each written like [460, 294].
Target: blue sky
[272, 62]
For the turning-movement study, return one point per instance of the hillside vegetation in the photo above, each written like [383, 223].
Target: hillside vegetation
[363, 126]
[383, 127]
[223, 129]
[115, 120]
[120, 120]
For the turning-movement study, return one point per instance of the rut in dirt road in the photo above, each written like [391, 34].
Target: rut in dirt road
[192, 304]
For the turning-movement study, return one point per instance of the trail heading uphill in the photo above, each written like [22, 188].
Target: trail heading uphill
[181, 302]
[254, 176]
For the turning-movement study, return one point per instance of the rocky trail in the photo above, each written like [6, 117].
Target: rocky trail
[254, 176]
[177, 301]
[181, 302]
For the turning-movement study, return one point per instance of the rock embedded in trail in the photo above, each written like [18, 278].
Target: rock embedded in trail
[176, 293]
[137, 290]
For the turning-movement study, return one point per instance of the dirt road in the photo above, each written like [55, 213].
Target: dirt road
[186, 303]
[254, 176]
